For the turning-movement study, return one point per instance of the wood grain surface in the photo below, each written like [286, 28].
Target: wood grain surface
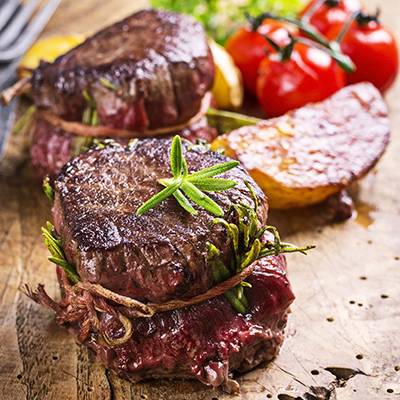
[343, 334]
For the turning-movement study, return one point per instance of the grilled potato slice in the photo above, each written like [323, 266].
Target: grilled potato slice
[310, 153]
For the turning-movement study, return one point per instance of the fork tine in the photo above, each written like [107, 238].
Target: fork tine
[29, 35]
[19, 21]
[7, 10]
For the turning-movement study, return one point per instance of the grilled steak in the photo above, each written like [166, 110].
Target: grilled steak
[158, 257]
[52, 147]
[159, 63]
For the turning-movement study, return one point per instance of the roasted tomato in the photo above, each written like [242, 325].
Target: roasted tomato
[248, 47]
[308, 75]
[326, 14]
[373, 49]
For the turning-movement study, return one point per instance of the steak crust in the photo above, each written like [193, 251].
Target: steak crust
[160, 255]
[159, 62]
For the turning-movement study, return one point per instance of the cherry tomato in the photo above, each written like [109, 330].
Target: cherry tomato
[373, 49]
[330, 13]
[248, 48]
[310, 75]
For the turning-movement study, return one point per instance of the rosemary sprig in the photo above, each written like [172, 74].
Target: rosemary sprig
[109, 85]
[192, 185]
[21, 124]
[90, 115]
[246, 248]
[226, 121]
[47, 189]
[53, 243]
[80, 144]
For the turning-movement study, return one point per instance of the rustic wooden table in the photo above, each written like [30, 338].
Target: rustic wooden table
[343, 335]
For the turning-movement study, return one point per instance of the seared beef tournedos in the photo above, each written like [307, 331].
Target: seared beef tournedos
[156, 64]
[145, 76]
[145, 295]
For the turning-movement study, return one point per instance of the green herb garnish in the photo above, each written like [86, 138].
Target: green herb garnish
[220, 18]
[48, 190]
[80, 144]
[227, 121]
[109, 85]
[192, 185]
[21, 124]
[53, 243]
[89, 99]
[247, 248]
[90, 115]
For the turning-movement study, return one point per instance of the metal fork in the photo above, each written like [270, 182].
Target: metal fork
[20, 25]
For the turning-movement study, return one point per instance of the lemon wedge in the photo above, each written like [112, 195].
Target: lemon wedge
[228, 87]
[47, 49]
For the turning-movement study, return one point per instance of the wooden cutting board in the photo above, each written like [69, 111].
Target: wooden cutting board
[343, 334]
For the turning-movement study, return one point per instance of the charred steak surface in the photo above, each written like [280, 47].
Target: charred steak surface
[158, 256]
[158, 61]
